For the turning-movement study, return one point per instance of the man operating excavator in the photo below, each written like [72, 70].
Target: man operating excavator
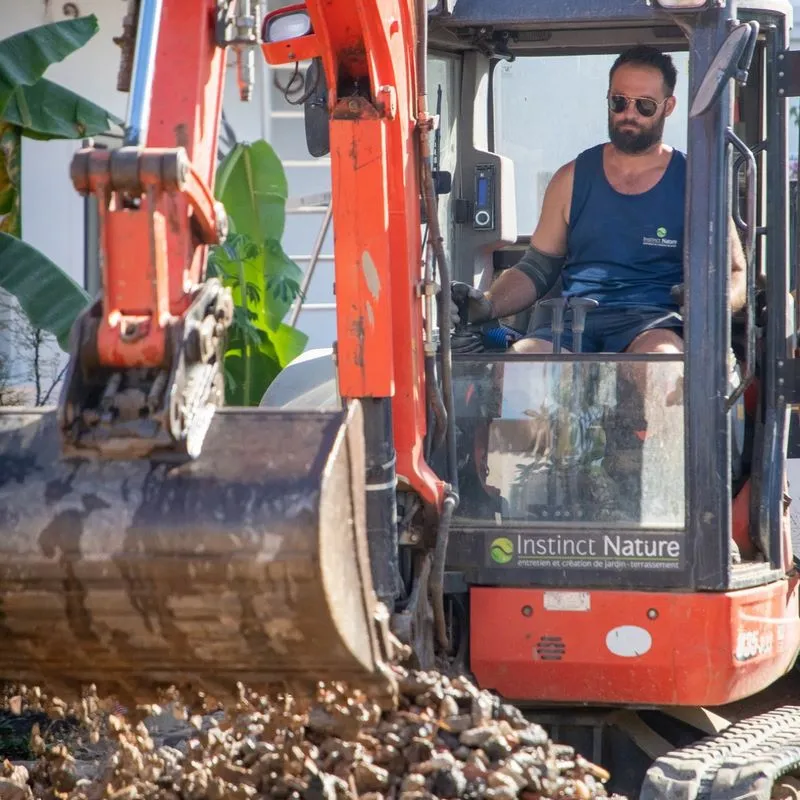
[611, 227]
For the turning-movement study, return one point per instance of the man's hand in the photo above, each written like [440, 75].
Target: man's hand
[477, 304]
[466, 342]
[738, 269]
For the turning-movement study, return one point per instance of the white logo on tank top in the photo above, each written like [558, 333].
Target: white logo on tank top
[659, 240]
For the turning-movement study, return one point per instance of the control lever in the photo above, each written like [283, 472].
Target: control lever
[556, 306]
[462, 339]
[580, 307]
[461, 302]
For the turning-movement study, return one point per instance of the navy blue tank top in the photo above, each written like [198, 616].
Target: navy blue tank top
[625, 250]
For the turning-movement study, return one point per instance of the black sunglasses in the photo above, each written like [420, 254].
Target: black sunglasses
[617, 103]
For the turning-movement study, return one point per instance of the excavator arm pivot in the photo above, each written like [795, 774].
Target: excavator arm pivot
[146, 362]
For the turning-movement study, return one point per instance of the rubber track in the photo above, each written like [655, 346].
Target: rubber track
[741, 763]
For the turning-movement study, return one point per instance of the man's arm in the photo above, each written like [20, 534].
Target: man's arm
[738, 283]
[516, 289]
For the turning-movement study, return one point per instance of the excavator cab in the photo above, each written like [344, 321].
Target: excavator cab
[623, 516]
[620, 517]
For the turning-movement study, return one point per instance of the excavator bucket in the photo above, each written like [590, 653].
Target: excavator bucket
[247, 564]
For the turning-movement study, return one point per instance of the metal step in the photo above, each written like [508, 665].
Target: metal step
[286, 114]
[301, 163]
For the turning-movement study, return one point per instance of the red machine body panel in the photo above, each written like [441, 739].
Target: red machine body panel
[609, 647]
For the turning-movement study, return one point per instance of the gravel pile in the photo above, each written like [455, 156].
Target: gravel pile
[442, 738]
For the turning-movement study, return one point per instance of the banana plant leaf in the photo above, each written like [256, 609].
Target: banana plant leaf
[49, 111]
[252, 362]
[282, 278]
[25, 57]
[251, 184]
[288, 343]
[49, 297]
[248, 372]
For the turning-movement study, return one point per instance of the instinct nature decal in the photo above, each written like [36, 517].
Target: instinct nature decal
[613, 551]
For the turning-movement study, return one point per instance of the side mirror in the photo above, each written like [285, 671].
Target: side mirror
[315, 109]
[731, 61]
[287, 36]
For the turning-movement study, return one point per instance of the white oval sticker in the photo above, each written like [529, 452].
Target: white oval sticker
[629, 641]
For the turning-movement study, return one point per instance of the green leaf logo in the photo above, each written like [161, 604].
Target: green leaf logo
[502, 550]
[661, 233]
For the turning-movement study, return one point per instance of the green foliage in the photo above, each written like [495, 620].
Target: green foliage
[251, 183]
[49, 111]
[10, 148]
[25, 57]
[33, 106]
[40, 108]
[49, 297]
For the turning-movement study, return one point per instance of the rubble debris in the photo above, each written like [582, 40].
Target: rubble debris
[442, 739]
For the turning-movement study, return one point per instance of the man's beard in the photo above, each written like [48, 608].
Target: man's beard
[636, 141]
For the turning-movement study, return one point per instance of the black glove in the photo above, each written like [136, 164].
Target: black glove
[477, 305]
[466, 342]
[677, 294]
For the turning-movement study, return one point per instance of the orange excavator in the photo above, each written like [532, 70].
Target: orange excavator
[466, 504]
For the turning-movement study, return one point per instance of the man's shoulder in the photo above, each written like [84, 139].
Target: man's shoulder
[678, 155]
[562, 180]
[568, 169]
[565, 171]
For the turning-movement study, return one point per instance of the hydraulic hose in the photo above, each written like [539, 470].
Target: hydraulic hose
[438, 413]
[437, 574]
[451, 500]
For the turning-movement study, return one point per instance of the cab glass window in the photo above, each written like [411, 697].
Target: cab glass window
[548, 109]
[444, 80]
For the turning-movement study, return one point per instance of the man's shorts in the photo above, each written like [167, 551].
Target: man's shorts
[611, 330]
